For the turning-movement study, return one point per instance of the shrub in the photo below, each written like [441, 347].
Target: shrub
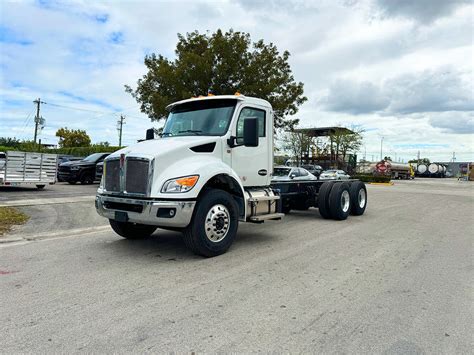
[372, 178]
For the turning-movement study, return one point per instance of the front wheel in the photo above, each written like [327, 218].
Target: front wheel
[87, 179]
[130, 230]
[214, 225]
[40, 187]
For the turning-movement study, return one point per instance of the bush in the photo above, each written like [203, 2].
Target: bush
[372, 178]
[74, 151]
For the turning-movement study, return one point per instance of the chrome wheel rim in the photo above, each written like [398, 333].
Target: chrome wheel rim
[217, 223]
[362, 198]
[345, 201]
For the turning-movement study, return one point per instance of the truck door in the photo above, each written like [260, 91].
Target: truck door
[254, 164]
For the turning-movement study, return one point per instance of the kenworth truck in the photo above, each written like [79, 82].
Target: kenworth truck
[210, 169]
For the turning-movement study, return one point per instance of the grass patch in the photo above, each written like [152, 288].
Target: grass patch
[9, 217]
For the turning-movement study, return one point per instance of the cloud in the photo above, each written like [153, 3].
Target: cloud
[354, 97]
[445, 89]
[454, 122]
[423, 11]
[397, 68]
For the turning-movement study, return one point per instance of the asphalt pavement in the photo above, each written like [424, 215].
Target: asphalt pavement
[396, 280]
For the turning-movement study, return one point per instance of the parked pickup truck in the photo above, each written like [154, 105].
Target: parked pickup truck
[82, 171]
[27, 169]
[211, 168]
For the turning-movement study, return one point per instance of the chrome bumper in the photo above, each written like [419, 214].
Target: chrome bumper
[183, 211]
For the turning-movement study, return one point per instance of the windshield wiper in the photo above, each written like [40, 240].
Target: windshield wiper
[196, 131]
[164, 134]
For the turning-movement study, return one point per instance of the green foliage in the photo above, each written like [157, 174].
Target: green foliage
[425, 161]
[220, 63]
[72, 138]
[75, 151]
[372, 178]
[9, 142]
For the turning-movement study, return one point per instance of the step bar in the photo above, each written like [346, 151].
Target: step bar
[266, 217]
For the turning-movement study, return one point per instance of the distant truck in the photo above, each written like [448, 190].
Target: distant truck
[211, 168]
[27, 169]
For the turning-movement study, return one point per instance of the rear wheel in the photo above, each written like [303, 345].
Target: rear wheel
[323, 199]
[358, 193]
[340, 201]
[130, 230]
[214, 225]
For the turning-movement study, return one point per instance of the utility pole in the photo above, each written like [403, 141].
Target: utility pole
[454, 157]
[120, 124]
[38, 119]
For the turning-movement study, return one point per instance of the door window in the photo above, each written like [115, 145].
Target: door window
[250, 112]
[303, 172]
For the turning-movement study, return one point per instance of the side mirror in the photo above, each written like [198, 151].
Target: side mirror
[251, 132]
[150, 134]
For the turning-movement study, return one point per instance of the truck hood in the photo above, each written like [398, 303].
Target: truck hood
[77, 163]
[163, 146]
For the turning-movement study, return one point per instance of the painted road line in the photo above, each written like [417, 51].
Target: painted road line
[46, 201]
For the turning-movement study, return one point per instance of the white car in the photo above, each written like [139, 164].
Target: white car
[334, 175]
[291, 173]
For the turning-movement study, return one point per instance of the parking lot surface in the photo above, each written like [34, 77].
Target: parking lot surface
[396, 280]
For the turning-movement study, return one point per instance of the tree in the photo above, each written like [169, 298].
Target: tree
[297, 143]
[221, 63]
[72, 138]
[345, 143]
[425, 161]
[9, 142]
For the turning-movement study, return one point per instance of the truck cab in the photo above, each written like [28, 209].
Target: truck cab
[210, 168]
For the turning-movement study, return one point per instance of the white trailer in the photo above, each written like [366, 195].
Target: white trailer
[210, 170]
[28, 169]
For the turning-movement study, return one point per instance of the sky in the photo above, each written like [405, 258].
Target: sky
[401, 70]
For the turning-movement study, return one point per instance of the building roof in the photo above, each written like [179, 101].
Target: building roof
[323, 131]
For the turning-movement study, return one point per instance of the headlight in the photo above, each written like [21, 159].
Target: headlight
[182, 184]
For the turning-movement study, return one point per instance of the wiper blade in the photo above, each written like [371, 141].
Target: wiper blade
[164, 134]
[191, 131]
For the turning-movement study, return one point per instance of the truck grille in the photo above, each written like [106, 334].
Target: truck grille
[112, 175]
[136, 181]
[136, 176]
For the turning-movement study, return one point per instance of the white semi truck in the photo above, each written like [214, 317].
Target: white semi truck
[210, 169]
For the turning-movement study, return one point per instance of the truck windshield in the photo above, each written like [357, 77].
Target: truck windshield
[200, 118]
[93, 157]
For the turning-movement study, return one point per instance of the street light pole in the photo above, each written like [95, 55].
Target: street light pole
[381, 145]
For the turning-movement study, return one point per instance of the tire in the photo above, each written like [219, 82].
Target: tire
[40, 187]
[87, 179]
[358, 194]
[72, 182]
[214, 224]
[340, 201]
[323, 199]
[130, 230]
